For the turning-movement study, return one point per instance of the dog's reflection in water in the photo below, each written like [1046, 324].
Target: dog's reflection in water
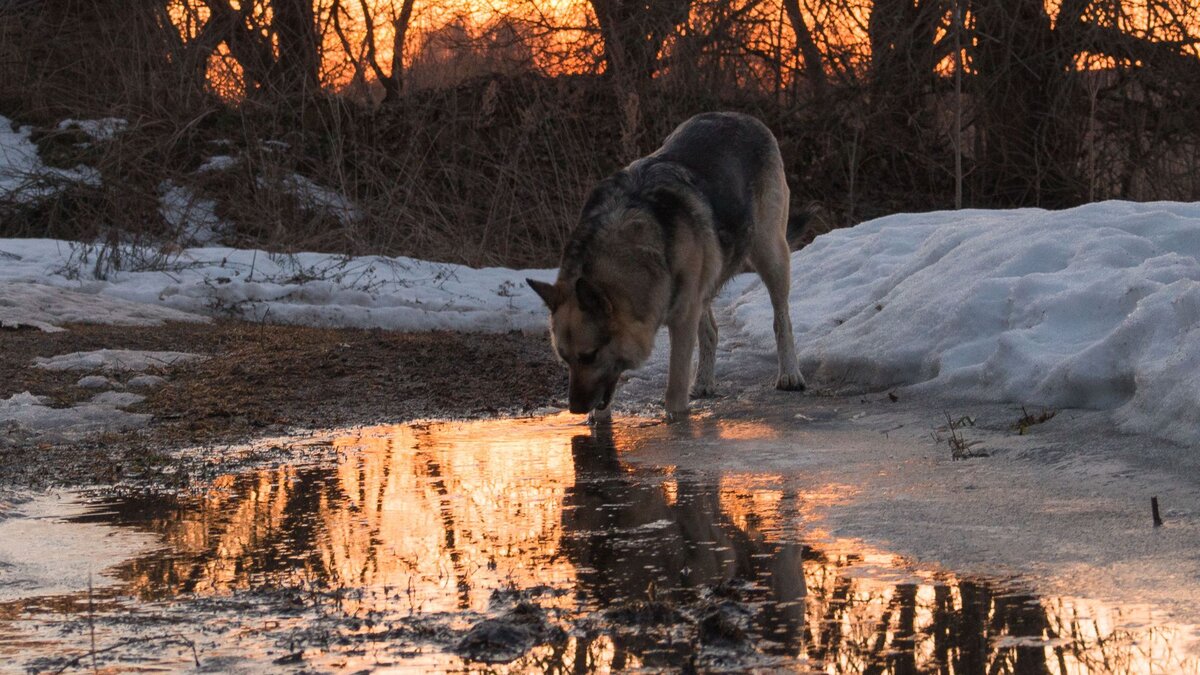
[639, 538]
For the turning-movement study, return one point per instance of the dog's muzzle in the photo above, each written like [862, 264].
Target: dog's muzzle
[596, 399]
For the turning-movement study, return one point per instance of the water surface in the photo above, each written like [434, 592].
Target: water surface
[540, 544]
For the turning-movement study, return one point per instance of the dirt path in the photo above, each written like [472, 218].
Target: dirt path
[263, 380]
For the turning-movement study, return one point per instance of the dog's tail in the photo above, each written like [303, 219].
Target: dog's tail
[797, 227]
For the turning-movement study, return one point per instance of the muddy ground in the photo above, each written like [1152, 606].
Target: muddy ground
[267, 380]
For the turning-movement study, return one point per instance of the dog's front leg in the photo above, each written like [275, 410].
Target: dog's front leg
[679, 374]
[706, 381]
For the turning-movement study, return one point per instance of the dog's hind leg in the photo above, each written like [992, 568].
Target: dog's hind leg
[706, 381]
[679, 371]
[773, 264]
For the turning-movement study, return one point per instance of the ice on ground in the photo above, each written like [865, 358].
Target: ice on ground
[115, 360]
[44, 552]
[31, 417]
[103, 129]
[23, 177]
[45, 307]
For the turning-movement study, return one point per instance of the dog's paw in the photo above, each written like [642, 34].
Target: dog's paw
[600, 416]
[705, 390]
[677, 416]
[790, 382]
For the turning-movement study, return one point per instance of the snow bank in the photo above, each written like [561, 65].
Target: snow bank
[1094, 307]
[305, 288]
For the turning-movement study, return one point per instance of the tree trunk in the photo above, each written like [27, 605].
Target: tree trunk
[814, 65]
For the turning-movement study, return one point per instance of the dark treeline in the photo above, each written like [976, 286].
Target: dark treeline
[478, 144]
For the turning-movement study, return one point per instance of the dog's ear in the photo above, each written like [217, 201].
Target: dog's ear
[551, 294]
[591, 298]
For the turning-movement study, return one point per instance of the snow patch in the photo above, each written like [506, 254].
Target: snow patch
[316, 197]
[116, 399]
[146, 382]
[23, 177]
[194, 218]
[103, 129]
[304, 288]
[114, 360]
[1092, 307]
[217, 163]
[28, 417]
[95, 382]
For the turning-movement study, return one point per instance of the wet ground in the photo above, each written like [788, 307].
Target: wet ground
[541, 544]
[261, 380]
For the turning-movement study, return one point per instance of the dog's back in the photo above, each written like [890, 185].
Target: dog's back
[728, 156]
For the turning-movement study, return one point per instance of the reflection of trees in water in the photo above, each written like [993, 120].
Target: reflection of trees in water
[615, 534]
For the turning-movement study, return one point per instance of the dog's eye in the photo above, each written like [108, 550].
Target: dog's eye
[588, 358]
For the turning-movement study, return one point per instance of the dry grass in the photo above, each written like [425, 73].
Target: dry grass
[1028, 420]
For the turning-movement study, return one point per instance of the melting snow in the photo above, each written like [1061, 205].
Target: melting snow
[46, 308]
[193, 217]
[114, 360]
[27, 416]
[23, 177]
[102, 129]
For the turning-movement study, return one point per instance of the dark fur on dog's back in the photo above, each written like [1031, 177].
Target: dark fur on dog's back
[718, 156]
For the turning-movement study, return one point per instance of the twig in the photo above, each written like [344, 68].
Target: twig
[1154, 510]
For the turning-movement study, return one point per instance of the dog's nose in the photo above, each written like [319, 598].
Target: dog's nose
[578, 408]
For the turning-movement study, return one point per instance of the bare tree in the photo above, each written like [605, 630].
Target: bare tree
[634, 32]
[392, 81]
[814, 64]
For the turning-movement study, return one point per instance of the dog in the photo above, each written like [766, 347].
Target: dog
[654, 244]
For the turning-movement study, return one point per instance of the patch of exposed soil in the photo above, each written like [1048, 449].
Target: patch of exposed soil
[263, 380]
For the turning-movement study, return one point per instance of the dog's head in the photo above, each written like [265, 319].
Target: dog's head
[591, 337]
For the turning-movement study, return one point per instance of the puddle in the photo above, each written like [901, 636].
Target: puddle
[518, 545]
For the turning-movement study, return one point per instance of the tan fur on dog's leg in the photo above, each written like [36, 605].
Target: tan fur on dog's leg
[775, 271]
[679, 373]
[706, 381]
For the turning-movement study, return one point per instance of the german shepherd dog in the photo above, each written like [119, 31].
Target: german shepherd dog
[654, 244]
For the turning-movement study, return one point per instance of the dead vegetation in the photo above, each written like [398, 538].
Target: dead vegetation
[478, 143]
[960, 447]
[1028, 420]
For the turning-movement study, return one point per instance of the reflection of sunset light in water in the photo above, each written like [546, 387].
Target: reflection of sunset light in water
[450, 507]
[435, 519]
